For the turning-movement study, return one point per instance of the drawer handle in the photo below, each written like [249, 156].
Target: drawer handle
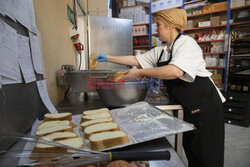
[229, 109]
[231, 98]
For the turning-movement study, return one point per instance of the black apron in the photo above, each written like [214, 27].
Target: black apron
[202, 106]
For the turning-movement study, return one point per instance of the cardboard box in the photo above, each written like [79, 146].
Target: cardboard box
[215, 20]
[247, 2]
[131, 2]
[217, 78]
[139, 8]
[144, 29]
[125, 3]
[190, 24]
[237, 3]
[215, 7]
[154, 26]
[142, 1]
[204, 23]
[211, 61]
[176, 3]
[154, 7]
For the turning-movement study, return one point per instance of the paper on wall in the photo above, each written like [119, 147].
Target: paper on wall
[24, 59]
[9, 66]
[7, 81]
[7, 8]
[36, 53]
[22, 12]
[42, 89]
[32, 18]
[2, 8]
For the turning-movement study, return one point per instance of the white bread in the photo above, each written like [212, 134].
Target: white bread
[60, 135]
[76, 142]
[48, 124]
[103, 140]
[101, 127]
[58, 116]
[96, 116]
[95, 121]
[46, 131]
[97, 111]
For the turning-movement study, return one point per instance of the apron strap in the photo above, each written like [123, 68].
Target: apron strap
[171, 50]
[160, 56]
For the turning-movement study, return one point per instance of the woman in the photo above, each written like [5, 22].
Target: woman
[181, 65]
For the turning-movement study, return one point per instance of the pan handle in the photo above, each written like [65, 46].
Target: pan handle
[140, 156]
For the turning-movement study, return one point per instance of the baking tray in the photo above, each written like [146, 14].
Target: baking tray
[141, 121]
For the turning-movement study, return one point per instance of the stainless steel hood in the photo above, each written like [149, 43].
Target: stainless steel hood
[111, 36]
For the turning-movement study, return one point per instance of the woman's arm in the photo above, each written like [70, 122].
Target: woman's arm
[165, 72]
[125, 60]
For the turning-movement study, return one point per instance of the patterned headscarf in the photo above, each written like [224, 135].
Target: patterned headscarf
[173, 17]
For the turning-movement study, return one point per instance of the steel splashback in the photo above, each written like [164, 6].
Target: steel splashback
[111, 36]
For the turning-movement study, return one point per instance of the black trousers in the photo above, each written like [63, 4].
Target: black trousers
[204, 146]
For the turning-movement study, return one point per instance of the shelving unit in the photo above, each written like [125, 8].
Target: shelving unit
[148, 35]
[225, 27]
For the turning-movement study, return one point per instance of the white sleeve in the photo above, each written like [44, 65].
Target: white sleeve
[187, 55]
[149, 59]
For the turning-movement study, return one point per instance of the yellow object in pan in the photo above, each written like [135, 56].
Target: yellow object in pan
[119, 76]
[92, 61]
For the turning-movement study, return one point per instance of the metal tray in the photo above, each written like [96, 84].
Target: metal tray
[141, 121]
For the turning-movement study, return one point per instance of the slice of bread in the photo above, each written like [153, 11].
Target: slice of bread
[95, 121]
[96, 116]
[58, 116]
[46, 131]
[48, 124]
[101, 127]
[76, 142]
[97, 111]
[60, 136]
[103, 140]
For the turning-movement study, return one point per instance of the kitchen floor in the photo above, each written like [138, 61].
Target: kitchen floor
[237, 146]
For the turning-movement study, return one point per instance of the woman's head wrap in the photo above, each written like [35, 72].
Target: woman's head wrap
[173, 17]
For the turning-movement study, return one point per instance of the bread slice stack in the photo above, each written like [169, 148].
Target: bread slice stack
[101, 130]
[58, 127]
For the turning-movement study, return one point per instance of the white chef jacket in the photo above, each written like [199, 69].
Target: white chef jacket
[186, 55]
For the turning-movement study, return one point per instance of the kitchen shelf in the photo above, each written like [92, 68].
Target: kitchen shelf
[218, 40]
[138, 47]
[207, 27]
[243, 52]
[210, 67]
[240, 23]
[219, 11]
[237, 39]
[141, 24]
[217, 26]
[141, 35]
[192, 2]
[214, 53]
[143, 4]
[180, 6]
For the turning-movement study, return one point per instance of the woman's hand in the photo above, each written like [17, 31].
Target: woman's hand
[102, 57]
[132, 74]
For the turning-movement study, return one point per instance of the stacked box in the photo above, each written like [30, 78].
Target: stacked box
[237, 3]
[154, 27]
[140, 30]
[217, 47]
[215, 20]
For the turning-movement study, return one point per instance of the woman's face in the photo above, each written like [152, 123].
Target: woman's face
[163, 31]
